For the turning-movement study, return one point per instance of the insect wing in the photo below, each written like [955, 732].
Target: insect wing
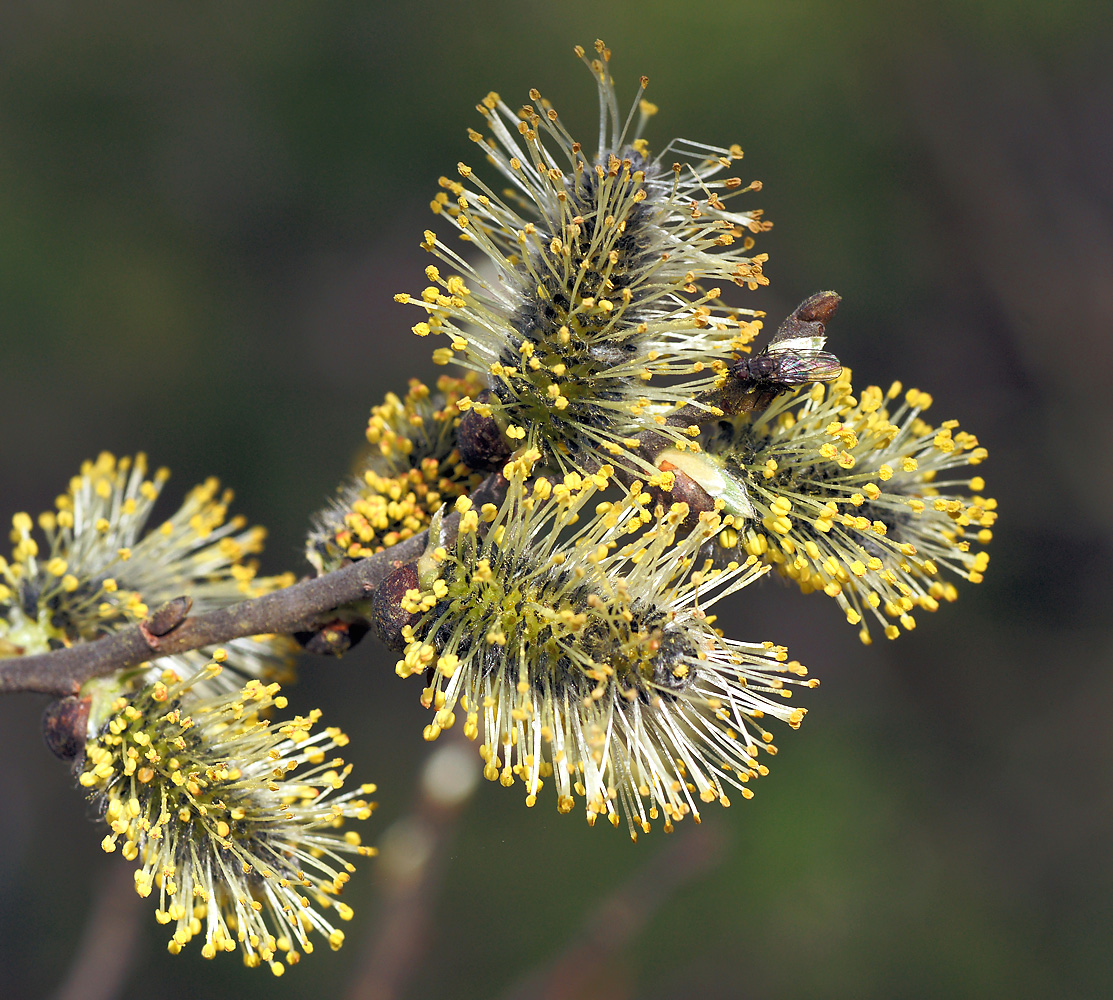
[798, 367]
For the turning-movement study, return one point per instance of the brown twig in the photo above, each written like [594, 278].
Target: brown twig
[108, 945]
[608, 930]
[300, 607]
[398, 940]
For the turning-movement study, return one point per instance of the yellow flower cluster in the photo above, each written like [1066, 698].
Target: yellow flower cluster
[412, 468]
[861, 498]
[605, 311]
[231, 818]
[99, 567]
[585, 654]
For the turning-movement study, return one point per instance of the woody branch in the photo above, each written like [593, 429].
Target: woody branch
[301, 607]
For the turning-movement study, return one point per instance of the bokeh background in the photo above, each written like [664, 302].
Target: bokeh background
[205, 210]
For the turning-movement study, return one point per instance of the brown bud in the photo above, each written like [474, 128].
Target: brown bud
[480, 441]
[333, 639]
[809, 317]
[389, 618]
[65, 726]
[169, 616]
[819, 307]
[165, 619]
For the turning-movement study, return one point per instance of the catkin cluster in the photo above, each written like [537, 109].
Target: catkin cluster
[616, 457]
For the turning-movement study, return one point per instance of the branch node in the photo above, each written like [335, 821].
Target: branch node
[164, 620]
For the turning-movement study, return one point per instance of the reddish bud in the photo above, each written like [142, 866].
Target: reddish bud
[389, 618]
[333, 639]
[65, 726]
[480, 441]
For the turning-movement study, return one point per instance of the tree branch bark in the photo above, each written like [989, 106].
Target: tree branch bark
[301, 607]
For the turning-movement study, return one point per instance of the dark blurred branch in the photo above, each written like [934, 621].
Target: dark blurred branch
[102, 963]
[583, 969]
[399, 940]
[301, 607]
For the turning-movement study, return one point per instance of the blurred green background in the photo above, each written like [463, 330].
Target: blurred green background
[205, 209]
